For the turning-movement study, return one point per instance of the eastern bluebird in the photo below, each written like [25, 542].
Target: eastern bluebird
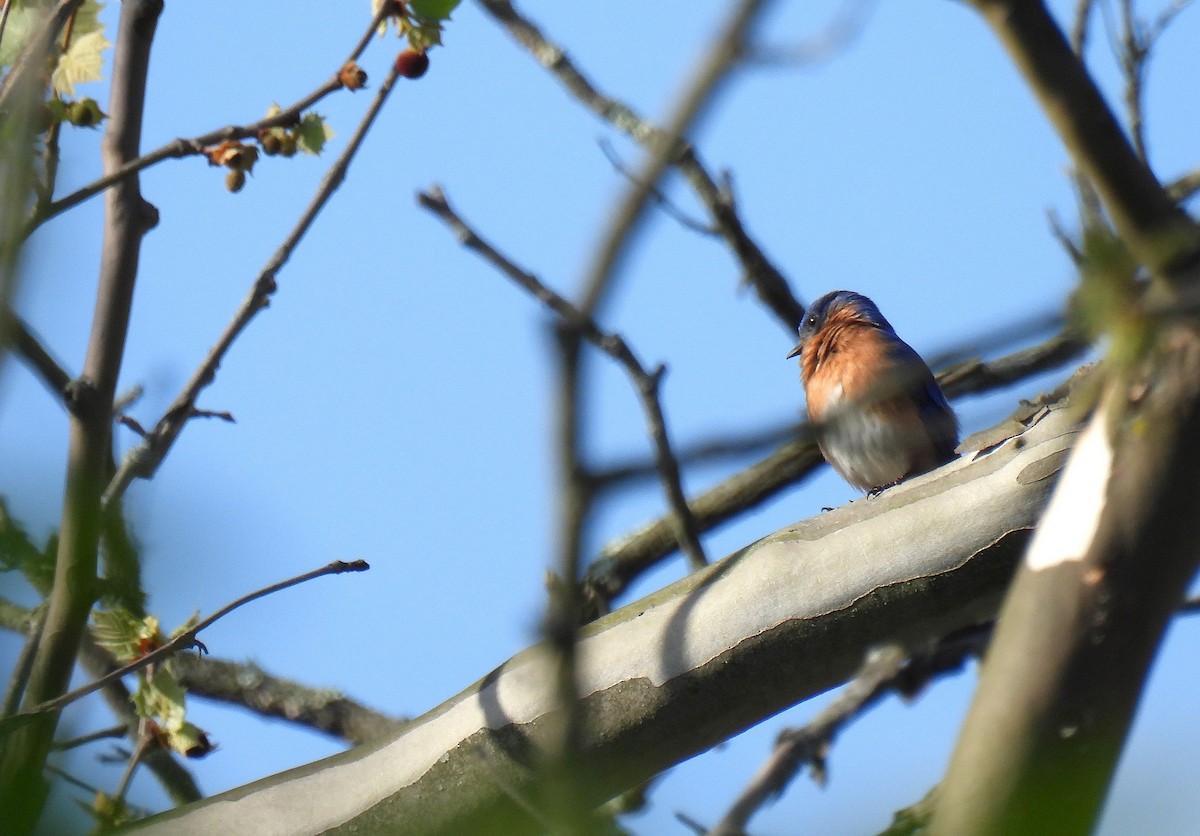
[881, 415]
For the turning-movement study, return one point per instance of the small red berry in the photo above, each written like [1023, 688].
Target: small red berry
[412, 64]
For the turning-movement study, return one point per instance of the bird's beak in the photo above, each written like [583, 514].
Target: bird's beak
[796, 351]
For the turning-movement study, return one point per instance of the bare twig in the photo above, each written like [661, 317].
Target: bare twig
[768, 282]
[143, 460]
[30, 349]
[1079, 28]
[733, 445]
[20, 673]
[1137, 42]
[1184, 187]
[144, 742]
[647, 383]
[837, 36]
[656, 194]
[244, 684]
[187, 638]
[182, 147]
[810, 744]
[119, 730]
[247, 685]
[886, 669]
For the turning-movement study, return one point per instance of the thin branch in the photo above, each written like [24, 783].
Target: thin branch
[1145, 217]
[30, 349]
[647, 383]
[656, 194]
[733, 445]
[144, 742]
[20, 673]
[1137, 42]
[119, 730]
[768, 282]
[246, 685]
[885, 670]
[560, 765]
[1184, 187]
[143, 460]
[243, 684]
[839, 35]
[810, 744]
[187, 638]
[1079, 29]
[182, 147]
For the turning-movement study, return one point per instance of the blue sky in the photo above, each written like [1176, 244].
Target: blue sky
[394, 403]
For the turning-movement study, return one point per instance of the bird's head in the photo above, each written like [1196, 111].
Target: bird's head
[838, 306]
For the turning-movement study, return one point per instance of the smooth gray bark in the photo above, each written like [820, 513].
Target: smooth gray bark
[669, 676]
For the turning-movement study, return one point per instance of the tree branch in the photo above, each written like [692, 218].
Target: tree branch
[887, 669]
[768, 282]
[623, 560]
[1144, 215]
[1115, 551]
[127, 218]
[30, 349]
[243, 684]
[143, 460]
[181, 147]
[646, 383]
[186, 638]
[663, 679]
[246, 685]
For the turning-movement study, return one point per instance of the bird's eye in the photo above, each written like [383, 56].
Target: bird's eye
[812, 319]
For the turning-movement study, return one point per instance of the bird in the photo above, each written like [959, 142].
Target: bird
[880, 415]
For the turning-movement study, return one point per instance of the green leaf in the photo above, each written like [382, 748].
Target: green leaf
[433, 9]
[83, 61]
[123, 634]
[312, 133]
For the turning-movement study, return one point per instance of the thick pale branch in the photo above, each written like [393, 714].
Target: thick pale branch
[1120, 541]
[621, 561]
[664, 678]
[1111, 563]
